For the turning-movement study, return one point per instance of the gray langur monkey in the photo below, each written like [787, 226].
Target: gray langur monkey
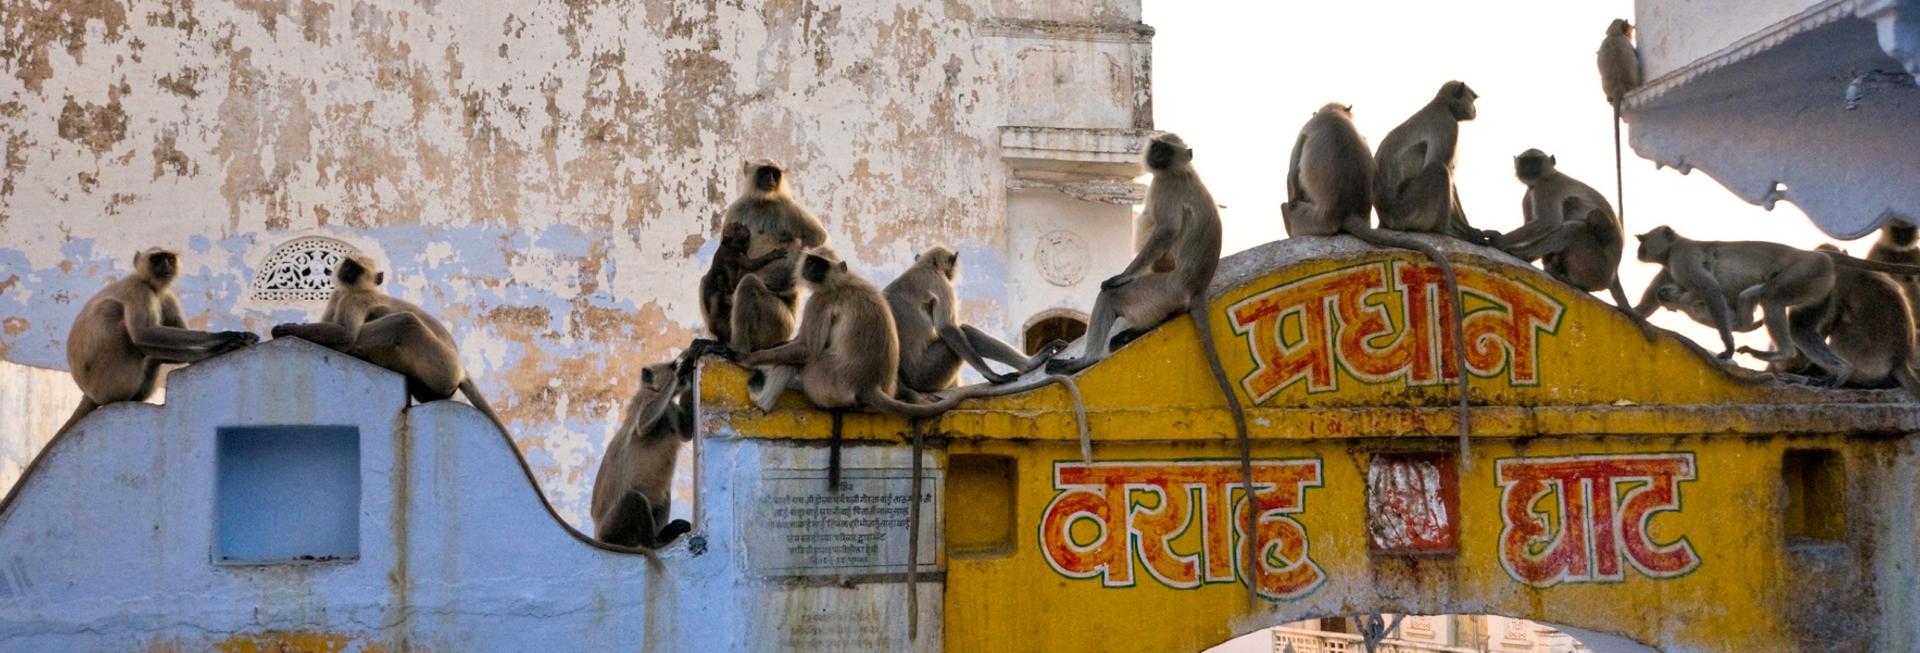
[1664, 292]
[1620, 72]
[1185, 235]
[367, 323]
[777, 223]
[129, 329]
[633, 491]
[1896, 246]
[1329, 191]
[847, 354]
[1859, 336]
[730, 264]
[933, 341]
[1777, 277]
[1570, 229]
[1413, 169]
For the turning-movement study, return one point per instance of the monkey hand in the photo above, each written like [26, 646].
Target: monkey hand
[1116, 281]
[699, 347]
[231, 340]
[1051, 349]
[283, 330]
[997, 378]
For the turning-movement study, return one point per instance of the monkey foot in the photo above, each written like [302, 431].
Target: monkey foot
[1123, 337]
[1067, 365]
[673, 530]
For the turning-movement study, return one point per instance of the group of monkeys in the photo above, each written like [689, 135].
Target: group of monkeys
[899, 349]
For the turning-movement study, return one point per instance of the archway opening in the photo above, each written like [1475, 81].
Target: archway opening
[1427, 634]
[1065, 328]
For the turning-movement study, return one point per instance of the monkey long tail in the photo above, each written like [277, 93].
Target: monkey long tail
[85, 408]
[1391, 239]
[473, 396]
[1619, 182]
[1203, 325]
[1904, 374]
[913, 538]
[888, 404]
[1841, 258]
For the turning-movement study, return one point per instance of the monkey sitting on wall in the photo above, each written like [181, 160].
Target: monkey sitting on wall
[633, 491]
[764, 301]
[366, 323]
[129, 329]
[933, 341]
[847, 354]
[1896, 246]
[1329, 192]
[1620, 72]
[730, 264]
[1570, 228]
[1412, 186]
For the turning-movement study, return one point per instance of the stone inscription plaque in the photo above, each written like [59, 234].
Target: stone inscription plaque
[793, 526]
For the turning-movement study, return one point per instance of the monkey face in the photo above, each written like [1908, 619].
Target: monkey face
[814, 269]
[1166, 151]
[1460, 99]
[766, 178]
[1655, 244]
[943, 260]
[356, 272]
[1901, 232]
[1531, 165]
[158, 264]
[736, 236]
[654, 377]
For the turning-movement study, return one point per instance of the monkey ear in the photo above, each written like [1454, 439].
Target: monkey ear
[842, 265]
[646, 376]
[1553, 160]
[136, 258]
[379, 278]
[1188, 156]
[1349, 108]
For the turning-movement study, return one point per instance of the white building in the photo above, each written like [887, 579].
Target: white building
[547, 176]
[1809, 101]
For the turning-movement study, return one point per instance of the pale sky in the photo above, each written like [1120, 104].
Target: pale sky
[1238, 79]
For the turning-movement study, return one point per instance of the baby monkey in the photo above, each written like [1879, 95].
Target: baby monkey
[730, 264]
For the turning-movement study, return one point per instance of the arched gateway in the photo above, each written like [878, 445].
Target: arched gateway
[286, 495]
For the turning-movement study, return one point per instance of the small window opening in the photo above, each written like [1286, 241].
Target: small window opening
[1816, 488]
[981, 526]
[1063, 328]
[287, 494]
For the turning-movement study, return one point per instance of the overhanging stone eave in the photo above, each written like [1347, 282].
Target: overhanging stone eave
[1770, 119]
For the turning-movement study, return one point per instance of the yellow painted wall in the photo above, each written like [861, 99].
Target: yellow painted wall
[1595, 392]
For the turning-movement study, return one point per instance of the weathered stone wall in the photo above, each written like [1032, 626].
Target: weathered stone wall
[33, 403]
[543, 175]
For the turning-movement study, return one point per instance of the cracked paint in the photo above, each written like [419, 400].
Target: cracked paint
[544, 176]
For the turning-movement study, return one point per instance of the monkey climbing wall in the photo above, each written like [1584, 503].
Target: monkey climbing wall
[1628, 488]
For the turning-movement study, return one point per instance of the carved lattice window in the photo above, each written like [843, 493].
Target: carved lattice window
[300, 270]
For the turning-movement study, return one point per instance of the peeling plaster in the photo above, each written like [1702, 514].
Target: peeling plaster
[542, 175]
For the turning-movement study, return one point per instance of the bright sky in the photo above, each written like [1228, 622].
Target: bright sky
[1238, 79]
